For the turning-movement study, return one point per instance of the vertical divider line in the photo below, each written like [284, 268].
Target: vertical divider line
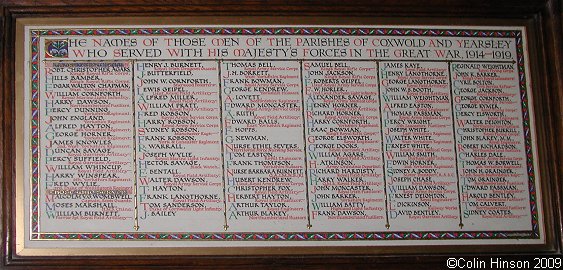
[455, 141]
[225, 223]
[133, 99]
[309, 225]
[387, 225]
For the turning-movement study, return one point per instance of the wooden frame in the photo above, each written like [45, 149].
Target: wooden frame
[543, 19]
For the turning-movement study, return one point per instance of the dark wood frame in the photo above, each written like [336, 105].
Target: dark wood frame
[543, 17]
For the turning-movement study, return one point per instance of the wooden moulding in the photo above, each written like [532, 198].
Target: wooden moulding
[542, 19]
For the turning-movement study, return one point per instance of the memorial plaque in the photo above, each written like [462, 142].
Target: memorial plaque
[273, 134]
[278, 136]
[226, 138]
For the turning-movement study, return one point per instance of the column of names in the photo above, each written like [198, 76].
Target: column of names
[491, 152]
[418, 145]
[263, 145]
[177, 127]
[86, 158]
[343, 136]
